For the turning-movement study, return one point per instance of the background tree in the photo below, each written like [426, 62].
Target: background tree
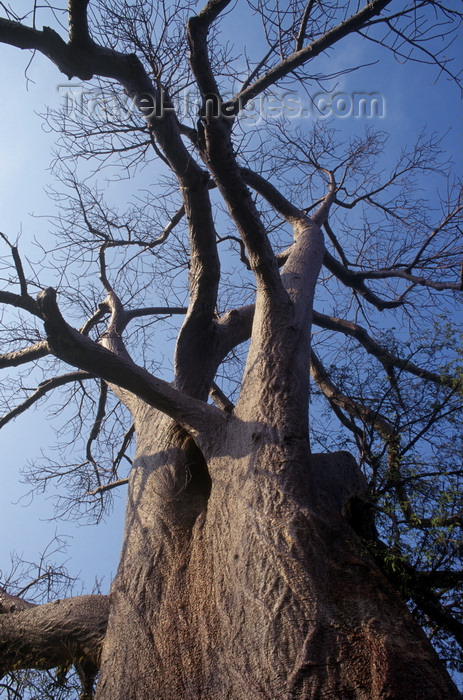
[251, 565]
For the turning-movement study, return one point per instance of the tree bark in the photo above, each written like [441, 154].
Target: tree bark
[257, 587]
[61, 633]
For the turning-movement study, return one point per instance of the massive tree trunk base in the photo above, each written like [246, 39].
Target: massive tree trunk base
[268, 596]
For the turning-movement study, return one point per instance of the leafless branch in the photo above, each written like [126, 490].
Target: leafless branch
[108, 487]
[100, 414]
[79, 350]
[42, 390]
[305, 18]
[20, 357]
[386, 358]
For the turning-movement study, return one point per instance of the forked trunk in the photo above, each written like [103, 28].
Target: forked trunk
[254, 586]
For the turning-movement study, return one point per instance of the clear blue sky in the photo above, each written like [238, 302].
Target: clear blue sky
[412, 101]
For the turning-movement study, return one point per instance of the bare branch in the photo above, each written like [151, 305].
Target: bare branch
[49, 43]
[292, 213]
[177, 217]
[18, 266]
[440, 579]
[108, 487]
[305, 18]
[388, 273]
[197, 333]
[123, 448]
[43, 389]
[100, 414]
[98, 316]
[20, 357]
[354, 408]
[78, 350]
[78, 25]
[300, 57]
[197, 28]
[156, 311]
[384, 356]
[220, 399]
[335, 242]
[273, 196]
[351, 279]
[27, 303]
[450, 216]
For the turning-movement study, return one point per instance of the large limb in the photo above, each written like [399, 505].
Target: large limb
[196, 343]
[78, 24]
[291, 214]
[217, 151]
[283, 303]
[61, 633]
[80, 56]
[82, 352]
[232, 329]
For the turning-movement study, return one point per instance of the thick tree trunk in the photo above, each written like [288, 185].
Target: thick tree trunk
[255, 587]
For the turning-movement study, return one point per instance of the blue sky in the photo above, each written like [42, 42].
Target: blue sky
[412, 101]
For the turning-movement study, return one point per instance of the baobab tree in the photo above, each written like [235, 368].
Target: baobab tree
[251, 564]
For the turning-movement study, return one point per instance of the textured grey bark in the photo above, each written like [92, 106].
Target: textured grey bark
[268, 595]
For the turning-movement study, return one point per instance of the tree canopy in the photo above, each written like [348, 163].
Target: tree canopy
[188, 187]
